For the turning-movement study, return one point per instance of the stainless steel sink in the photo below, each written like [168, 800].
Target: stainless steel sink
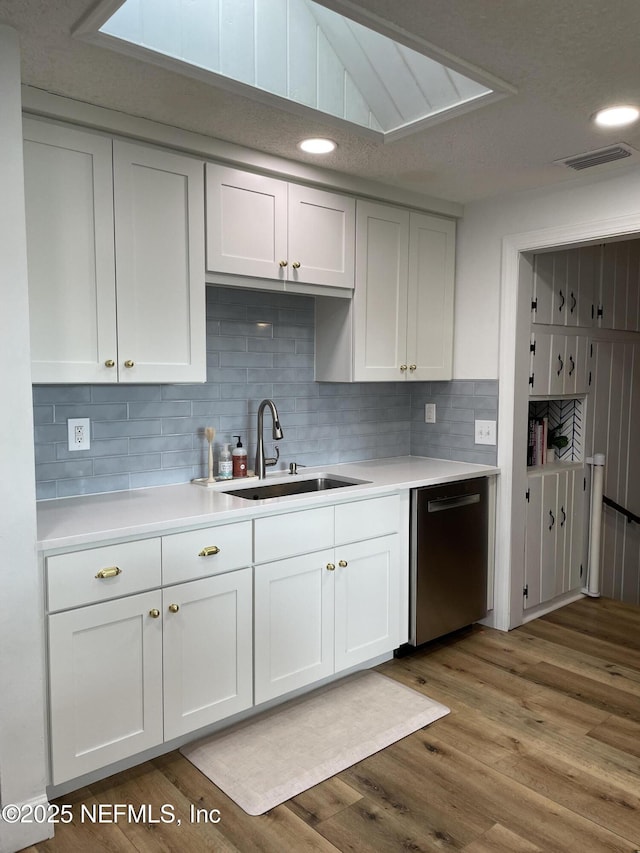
[292, 487]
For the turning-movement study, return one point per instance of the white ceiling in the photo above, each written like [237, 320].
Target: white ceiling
[566, 60]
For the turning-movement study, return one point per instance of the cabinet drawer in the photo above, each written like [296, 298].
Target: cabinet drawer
[210, 551]
[73, 579]
[365, 519]
[295, 533]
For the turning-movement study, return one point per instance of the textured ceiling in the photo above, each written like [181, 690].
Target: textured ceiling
[566, 59]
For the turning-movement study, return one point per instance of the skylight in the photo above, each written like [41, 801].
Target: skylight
[299, 55]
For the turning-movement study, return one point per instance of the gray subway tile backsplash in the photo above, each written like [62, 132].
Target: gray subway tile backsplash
[148, 435]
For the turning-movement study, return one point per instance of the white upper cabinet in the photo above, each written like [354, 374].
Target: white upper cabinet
[566, 286]
[159, 228]
[81, 188]
[399, 324]
[261, 227]
[71, 259]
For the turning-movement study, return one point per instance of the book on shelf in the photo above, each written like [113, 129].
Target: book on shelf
[537, 442]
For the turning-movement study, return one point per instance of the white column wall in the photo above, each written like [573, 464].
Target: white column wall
[22, 750]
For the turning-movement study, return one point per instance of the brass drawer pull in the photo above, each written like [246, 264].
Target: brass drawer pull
[173, 608]
[296, 265]
[413, 367]
[331, 567]
[343, 564]
[209, 551]
[283, 263]
[403, 367]
[154, 613]
[111, 572]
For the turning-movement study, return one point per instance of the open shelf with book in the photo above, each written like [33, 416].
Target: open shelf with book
[555, 425]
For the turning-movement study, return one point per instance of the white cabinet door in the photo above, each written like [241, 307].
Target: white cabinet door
[294, 623]
[207, 648]
[540, 370]
[71, 264]
[549, 531]
[262, 227]
[430, 298]
[533, 542]
[321, 242]
[366, 600]
[564, 284]
[105, 664]
[381, 294]
[559, 364]
[575, 570]
[246, 223]
[159, 220]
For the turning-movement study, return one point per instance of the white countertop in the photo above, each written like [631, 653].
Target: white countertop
[91, 519]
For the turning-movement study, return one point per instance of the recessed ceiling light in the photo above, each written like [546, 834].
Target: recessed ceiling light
[317, 145]
[617, 116]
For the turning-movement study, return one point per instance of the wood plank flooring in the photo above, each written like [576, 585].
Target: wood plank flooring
[541, 753]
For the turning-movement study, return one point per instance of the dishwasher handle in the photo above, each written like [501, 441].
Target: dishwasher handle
[442, 504]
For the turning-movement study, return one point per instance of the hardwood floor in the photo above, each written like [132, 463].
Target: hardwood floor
[541, 752]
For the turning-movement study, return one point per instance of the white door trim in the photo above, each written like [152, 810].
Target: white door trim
[514, 318]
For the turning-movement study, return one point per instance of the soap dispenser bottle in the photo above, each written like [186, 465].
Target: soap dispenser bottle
[239, 459]
[225, 464]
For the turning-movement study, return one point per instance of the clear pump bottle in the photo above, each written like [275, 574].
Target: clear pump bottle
[225, 464]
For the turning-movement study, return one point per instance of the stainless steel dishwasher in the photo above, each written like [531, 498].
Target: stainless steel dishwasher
[449, 537]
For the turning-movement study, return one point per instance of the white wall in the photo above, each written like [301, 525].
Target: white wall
[22, 761]
[477, 315]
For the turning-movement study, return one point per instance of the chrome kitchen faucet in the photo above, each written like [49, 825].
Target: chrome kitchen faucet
[262, 463]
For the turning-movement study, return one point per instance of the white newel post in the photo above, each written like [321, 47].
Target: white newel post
[595, 528]
[22, 741]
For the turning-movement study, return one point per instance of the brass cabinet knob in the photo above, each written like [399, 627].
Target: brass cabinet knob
[209, 551]
[283, 263]
[403, 367]
[331, 567]
[154, 613]
[412, 367]
[343, 564]
[109, 363]
[296, 265]
[173, 608]
[128, 363]
[111, 572]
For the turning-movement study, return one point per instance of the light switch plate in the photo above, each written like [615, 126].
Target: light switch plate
[429, 413]
[485, 432]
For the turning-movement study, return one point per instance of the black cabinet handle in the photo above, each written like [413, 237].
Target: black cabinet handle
[553, 520]
[562, 301]
[573, 365]
[564, 516]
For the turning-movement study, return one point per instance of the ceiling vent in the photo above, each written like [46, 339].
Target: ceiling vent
[601, 157]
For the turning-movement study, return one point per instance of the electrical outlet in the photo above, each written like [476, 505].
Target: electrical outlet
[79, 433]
[429, 413]
[485, 432]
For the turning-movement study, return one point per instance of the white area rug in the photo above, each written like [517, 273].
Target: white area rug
[271, 758]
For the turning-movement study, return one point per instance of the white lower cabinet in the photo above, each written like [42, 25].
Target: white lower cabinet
[129, 674]
[324, 612]
[554, 540]
[155, 638]
[105, 682]
[207, 651]
[293, 623]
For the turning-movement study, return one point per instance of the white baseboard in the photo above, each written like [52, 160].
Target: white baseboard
[31, 828]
